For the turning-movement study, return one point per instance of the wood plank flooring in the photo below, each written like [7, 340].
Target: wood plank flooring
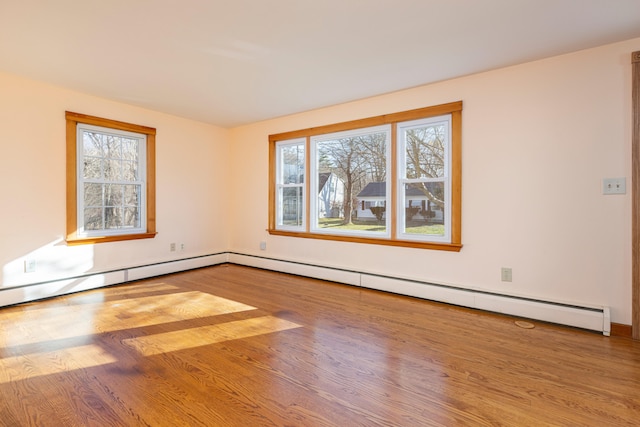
[236, 346]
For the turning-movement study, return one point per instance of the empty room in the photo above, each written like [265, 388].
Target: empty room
[330, 213]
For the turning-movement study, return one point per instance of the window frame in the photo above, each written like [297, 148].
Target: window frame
[281, 185]
[402, 176]
[454, 244]
[313, 208]
[73, 120]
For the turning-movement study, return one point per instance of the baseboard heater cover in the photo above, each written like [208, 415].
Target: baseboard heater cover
[595, 318]
[53, 288]
[297, 268]
[169, 267]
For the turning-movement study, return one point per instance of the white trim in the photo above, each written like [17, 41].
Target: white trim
[592, 317]
[81, 128]
[280, 186]
[95, 280]
[402, 179]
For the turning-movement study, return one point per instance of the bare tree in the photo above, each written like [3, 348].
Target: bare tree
[425, 151]
[110, 165]
[356, 161]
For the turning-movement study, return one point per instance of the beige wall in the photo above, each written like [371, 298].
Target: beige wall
[538, 139]
[192, 189]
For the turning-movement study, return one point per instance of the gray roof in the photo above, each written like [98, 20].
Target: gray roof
[322, 180]
[379, 189]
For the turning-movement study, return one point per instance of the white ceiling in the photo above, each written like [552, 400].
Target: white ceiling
[232, 62]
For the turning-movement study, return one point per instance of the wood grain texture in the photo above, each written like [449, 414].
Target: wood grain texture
[259, 348]
[620, 330]
[635, 209]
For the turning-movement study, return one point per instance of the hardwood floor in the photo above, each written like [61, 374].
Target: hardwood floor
[236, 346]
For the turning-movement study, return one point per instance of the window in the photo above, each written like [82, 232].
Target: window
[290, 184]
[345, 165]
[392, 180]
[110, 180]
[424, 180]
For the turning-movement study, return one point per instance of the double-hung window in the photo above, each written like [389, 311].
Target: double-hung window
[393, 180]
[110, 180]
[290, 184]
[424, 179]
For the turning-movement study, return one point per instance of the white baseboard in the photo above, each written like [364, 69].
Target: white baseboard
[53, 288]
[306, 270]
[137, 273]
[596, 318]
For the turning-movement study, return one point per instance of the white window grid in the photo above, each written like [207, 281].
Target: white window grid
[81, 180]
[402, 128]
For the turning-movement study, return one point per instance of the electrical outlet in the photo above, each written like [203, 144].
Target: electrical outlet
[181, 247]
[30, 266]
[263, 246]
[172, 247]
[506, 274]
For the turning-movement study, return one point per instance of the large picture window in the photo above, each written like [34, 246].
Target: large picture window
[392, 179]
[346, 165]
[110, 188]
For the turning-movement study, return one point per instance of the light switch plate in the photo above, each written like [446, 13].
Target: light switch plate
[614, 186]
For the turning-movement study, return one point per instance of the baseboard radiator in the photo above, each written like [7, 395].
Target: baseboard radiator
[69, 285]
[596, 318]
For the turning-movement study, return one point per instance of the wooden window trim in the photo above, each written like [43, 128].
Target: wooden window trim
[635, 179]
[72, 120]
[453, 108]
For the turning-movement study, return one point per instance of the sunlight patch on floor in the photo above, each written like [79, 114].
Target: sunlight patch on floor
[23, 367]
[139, 289]
[70, 321]
[196, 337]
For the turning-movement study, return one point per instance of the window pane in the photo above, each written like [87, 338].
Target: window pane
[292, 209]
[113, 195]
[113, 146]
[424, 208]
[112, 170]
[92, 168]
[129, 171]
[93, 219]
[92, 144]
[425, 151]
[293, 164]
[131, 218]
[352, 170]
[132, 195]
[112, 217]
[93, 195]
[130, 150]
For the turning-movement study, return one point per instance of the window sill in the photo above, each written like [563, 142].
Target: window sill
[73, 241]
[451, 247]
